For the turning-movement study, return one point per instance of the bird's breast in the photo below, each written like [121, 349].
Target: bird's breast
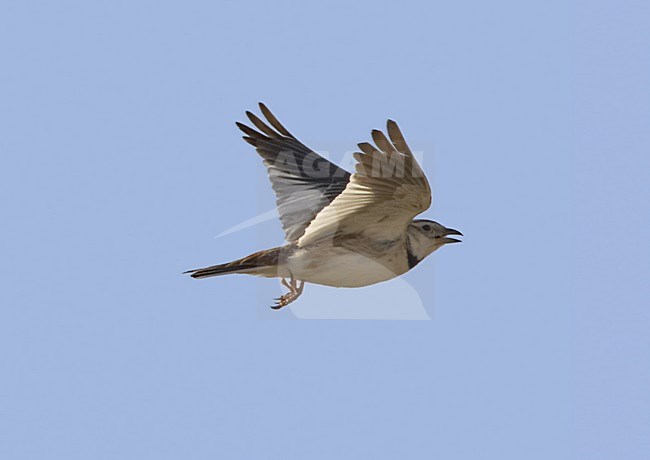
[347, 267]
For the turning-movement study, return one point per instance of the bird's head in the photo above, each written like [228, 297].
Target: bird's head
[425, 236]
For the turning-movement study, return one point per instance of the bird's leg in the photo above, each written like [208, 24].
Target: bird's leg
[295, 289]
[298, 286]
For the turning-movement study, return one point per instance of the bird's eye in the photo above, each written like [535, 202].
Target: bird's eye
[426, 228]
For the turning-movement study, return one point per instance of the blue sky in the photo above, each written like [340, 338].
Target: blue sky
[122, 163]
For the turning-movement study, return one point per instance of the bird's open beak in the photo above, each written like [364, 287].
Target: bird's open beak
[451, 231]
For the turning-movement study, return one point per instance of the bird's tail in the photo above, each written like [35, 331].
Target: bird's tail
[216, 270]
[255, 264]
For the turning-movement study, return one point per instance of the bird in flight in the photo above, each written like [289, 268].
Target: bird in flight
[342, 229]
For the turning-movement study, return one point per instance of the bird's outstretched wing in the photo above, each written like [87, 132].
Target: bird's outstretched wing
[304, 182]
[385, 193]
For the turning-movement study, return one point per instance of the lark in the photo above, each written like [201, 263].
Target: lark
[342, 229]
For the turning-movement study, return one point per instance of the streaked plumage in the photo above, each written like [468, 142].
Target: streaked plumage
[343, 230]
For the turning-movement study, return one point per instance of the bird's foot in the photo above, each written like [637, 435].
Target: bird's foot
[295, 289]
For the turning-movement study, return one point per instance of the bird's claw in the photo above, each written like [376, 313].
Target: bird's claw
[295, 289]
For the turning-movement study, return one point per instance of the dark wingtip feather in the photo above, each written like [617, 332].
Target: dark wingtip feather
[367, 148]
[274, 121]
[259, 124]
[397, 138]
[249, 131]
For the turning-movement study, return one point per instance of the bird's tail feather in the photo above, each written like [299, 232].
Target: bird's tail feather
[216, 270]
[256, 264]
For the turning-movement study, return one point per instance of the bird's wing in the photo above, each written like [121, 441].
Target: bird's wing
[304, 182]
[385, 193]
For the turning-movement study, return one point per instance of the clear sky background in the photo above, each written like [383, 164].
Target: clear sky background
[121, 163]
